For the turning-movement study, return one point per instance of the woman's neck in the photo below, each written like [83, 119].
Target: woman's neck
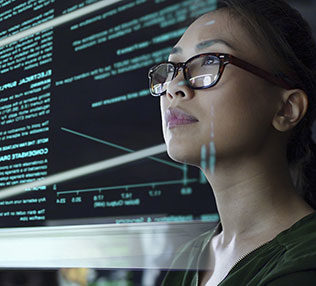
[255, 197]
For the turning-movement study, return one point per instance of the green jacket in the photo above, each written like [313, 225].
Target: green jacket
[289, 259]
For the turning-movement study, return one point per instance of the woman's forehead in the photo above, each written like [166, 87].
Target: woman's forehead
[219, 31]
[217, 25]
[207, 31]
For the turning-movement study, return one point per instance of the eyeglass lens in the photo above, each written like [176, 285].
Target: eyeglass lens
[201, 72]
[161, 77]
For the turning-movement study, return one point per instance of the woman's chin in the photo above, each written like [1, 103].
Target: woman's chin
[183, 156]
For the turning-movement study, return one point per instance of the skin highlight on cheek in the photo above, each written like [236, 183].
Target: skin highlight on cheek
[208, 164]
[212, 158]
[203, 179]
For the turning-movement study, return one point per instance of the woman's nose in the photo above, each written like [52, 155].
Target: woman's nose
[178, 88]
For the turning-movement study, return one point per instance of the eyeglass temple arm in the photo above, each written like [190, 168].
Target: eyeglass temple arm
[259, 72]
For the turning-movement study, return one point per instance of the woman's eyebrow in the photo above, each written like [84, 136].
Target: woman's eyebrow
[208, 43]
[203, 45]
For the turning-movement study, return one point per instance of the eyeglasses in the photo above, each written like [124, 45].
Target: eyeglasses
[203, 71]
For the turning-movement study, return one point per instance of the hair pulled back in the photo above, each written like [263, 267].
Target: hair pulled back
[291, 50]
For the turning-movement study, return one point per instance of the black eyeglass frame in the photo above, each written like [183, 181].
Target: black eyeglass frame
[224, 59]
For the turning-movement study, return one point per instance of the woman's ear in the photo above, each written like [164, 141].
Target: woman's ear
[292, 109]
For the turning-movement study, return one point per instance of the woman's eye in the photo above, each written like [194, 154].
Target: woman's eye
[208, 61]
[170, 69]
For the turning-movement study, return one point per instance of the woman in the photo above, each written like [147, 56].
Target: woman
[242, 112]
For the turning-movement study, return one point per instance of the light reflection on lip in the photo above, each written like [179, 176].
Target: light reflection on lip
[176, 116]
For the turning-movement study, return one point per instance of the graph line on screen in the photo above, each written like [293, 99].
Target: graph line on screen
[84, 170]
[185, 180]
[178, 166]
[132, 186]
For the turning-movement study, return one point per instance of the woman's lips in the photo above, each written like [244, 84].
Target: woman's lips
[176, 116]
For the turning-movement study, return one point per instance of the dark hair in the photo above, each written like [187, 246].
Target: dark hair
[282, 31]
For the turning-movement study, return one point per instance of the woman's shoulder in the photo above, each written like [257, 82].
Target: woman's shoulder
[300, 239]
[290, 255]
[298, 261]
[302, 278]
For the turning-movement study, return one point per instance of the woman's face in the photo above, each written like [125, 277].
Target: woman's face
[235, 115]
